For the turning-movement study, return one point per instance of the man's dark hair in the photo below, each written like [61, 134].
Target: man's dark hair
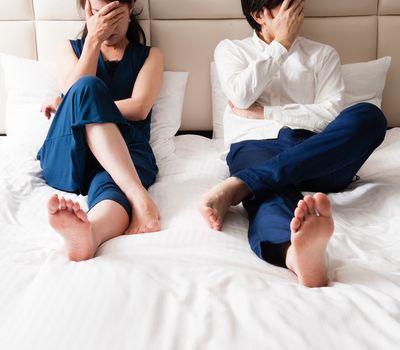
[255, 6]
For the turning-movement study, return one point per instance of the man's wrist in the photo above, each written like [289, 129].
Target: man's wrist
[285, 43]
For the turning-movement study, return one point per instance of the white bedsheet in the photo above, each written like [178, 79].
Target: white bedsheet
[189, 287]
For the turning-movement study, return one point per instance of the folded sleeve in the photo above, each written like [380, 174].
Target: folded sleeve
[241, 81]
[328, 101]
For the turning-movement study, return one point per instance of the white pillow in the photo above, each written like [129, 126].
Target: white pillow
[28, 83]
[219, 103]
[364, 82]
[167, 114]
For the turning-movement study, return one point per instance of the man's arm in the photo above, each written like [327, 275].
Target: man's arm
[241, 82]
[328, 100]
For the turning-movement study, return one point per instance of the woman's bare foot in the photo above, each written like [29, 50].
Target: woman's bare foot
[217, 201]
[70, 221]
[312, 228]
[145, 215]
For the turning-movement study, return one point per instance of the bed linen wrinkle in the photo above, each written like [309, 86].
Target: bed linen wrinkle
[189, 287]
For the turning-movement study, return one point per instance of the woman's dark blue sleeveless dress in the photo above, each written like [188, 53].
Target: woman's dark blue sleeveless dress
[66, 160]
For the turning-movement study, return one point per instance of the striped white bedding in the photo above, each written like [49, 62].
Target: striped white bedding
[189, 287]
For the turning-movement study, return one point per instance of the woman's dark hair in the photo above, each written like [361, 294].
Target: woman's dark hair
[135, 32]
[255, 6]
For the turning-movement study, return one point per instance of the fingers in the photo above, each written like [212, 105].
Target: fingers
[301, 14]
[285, 5]
[268, 15]
[299, 9]
[88, 9]
[113, 13]
[109, 7]
[47, 110]
[295, 4]
[116, 19]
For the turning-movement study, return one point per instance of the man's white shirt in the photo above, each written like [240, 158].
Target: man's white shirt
[301, 88]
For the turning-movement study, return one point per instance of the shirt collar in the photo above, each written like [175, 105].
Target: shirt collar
[260, 43]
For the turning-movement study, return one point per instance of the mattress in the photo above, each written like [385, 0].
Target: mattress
[189, 287]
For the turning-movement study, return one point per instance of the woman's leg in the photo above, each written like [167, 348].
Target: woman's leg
[109, 147]
[108, 217]
[101, 131]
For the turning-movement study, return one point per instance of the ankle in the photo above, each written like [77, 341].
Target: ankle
[240, 190]
[137, 194]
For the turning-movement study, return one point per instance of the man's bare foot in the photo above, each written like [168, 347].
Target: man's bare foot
[217, 201]
[312, 228]
[70, 221]
[145, 215]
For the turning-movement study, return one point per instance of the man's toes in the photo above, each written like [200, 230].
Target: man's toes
[299, 213]
[63, 203]
[310, 204]
[295, 224]
[52, 204]
[302, 205]
[322, 204]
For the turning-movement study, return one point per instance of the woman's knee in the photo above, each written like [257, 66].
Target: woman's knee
[89, 83]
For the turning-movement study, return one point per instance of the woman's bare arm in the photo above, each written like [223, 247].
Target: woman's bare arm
[146, 89]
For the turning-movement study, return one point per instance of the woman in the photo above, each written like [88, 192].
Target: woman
[98, 143]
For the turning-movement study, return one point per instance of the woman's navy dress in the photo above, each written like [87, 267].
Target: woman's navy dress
[66, 160]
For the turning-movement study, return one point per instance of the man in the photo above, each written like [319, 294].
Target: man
[287, 134]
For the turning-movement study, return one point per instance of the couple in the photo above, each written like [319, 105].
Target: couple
[98, 143]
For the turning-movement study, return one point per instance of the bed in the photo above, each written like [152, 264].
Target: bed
[189, 287]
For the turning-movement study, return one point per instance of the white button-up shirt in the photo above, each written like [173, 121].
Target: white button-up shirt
[301, 88]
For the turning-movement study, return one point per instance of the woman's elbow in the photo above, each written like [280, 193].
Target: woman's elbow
[140, 114]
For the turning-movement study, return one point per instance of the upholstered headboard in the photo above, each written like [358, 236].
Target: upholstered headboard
[188, 30]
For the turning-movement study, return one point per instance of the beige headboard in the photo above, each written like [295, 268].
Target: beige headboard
[188, 30]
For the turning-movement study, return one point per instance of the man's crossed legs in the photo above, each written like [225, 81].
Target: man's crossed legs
[268, 176]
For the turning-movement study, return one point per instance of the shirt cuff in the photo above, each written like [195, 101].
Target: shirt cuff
[274, 113]
[277, 51]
